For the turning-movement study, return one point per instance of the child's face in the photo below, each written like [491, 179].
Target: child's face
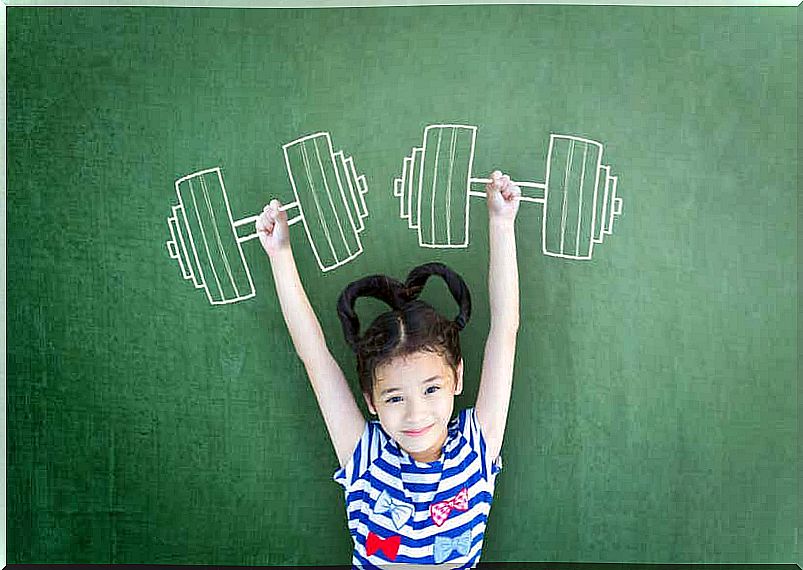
[416, 392]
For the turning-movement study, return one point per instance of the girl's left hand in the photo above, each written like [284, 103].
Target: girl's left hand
[503, 197]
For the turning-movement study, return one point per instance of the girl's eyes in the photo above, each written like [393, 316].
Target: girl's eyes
[429, 390]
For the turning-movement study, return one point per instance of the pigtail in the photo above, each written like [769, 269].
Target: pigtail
[457, 287]
[379, 287]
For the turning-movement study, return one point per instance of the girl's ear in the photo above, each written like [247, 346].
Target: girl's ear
[370, 404]
[459, 386]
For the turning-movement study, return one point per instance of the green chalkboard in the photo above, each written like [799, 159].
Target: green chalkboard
[654, 414]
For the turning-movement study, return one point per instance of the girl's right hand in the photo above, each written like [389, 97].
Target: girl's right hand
[272, 228]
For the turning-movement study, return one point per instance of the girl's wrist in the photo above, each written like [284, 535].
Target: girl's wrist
[501, 222]
[281, 255]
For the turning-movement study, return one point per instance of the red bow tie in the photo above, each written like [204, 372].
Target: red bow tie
[389, 545]
[440, 511]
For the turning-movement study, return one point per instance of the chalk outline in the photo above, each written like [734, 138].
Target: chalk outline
[177, 247]
[201, 281]
[612, 205]
[362, 190]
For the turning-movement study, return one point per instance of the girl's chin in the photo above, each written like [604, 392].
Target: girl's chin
[423, 442]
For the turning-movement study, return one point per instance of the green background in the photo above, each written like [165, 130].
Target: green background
[654, 410]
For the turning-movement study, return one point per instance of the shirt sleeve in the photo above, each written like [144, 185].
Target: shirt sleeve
[476, 439]
[368, 449]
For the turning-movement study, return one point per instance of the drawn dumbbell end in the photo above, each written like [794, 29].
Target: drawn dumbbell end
[330, 197]
[206, 240]
[579, 194]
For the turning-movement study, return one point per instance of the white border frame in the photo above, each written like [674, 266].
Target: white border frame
[234, 4]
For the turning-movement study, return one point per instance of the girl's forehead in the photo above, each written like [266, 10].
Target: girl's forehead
[414, 367]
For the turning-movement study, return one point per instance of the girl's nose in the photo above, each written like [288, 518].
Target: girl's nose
[415, 410]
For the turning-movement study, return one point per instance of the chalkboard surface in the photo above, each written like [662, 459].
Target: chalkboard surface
[653, 415]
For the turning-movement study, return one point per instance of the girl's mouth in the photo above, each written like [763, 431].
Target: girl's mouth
[417, 433]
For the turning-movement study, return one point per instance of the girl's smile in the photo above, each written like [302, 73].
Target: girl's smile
[416, 432]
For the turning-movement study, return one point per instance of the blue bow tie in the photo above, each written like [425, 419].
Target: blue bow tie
[400, 512]
[444, 545]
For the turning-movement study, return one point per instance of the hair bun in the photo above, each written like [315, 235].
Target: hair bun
[417, 278]
[381, 287]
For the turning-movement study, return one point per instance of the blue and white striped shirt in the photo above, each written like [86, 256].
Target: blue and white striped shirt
[402, 511]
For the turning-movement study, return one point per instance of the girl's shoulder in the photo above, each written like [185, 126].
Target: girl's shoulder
[474, 438]
[373, 444]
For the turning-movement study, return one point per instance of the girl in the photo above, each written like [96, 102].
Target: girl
[418, 484]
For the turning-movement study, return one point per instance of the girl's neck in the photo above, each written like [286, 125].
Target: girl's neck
[428, 456]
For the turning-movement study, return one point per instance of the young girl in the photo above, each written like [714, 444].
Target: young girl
[418, 484]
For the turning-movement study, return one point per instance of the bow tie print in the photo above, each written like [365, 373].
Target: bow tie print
[400, 512]
[440, 511]
[389, 545]
[444, 545]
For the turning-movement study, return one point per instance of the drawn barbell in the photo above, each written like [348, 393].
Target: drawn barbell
[206, 240]
[578, 195]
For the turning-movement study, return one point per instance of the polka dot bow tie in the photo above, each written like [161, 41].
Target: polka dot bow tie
[440, 511]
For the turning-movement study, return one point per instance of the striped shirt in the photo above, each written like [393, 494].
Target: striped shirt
[405, 512]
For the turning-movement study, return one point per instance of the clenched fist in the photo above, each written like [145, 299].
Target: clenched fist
[503, 196]
[272, 228]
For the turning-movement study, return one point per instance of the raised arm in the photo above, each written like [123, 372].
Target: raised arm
[343, 418]
[496, 379]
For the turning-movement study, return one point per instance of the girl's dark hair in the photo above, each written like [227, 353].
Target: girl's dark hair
[411, 326]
